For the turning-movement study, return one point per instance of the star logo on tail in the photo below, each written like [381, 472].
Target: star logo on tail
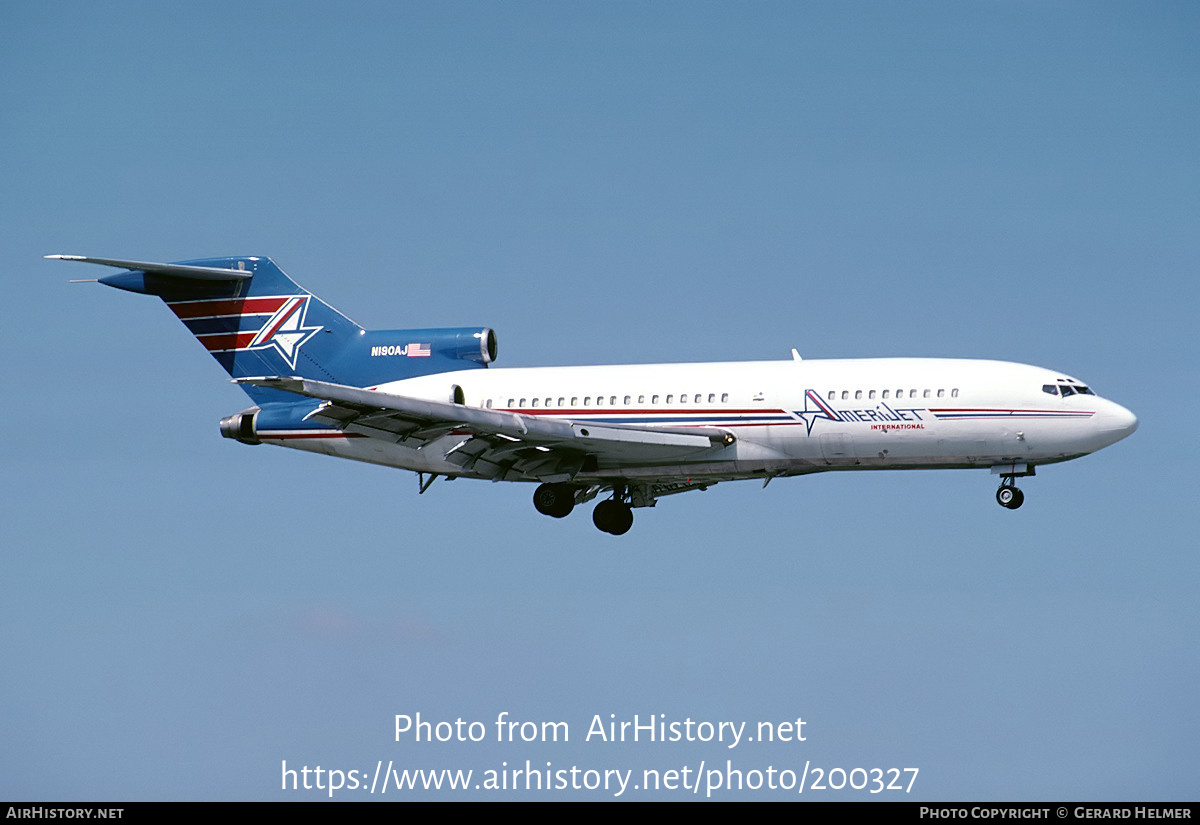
[285, 331]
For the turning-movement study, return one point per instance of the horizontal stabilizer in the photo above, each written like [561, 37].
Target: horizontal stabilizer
[203, 273]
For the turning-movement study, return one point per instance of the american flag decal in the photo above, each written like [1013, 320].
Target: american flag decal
[417, 350]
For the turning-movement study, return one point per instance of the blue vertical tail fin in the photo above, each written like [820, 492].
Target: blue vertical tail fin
[250, 316]
[257, 322]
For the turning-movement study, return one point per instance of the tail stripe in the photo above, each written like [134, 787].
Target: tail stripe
[225, 341]
[185, 310]
[228, 324]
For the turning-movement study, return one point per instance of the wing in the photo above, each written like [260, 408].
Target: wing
[501, 445]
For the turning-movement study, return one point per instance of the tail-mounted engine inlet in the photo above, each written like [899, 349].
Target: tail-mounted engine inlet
[240, 426]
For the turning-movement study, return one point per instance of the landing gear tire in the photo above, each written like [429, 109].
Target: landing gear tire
[1010, 497]
[555, 500]
[613, 517]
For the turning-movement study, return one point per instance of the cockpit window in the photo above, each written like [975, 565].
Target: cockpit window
[1066, 387]
[1071, 387]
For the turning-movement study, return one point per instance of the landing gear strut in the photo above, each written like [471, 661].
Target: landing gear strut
[1008, 495]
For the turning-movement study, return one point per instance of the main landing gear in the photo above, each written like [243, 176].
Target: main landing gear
[1008, 495]
[612, 515]
[555, 500]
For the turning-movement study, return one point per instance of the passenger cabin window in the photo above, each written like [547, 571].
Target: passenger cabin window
[724, 397]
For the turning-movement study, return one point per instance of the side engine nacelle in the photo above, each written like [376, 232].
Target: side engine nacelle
[240, 426]
[249, 425]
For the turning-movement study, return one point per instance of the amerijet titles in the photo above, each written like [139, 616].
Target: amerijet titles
[883, 416]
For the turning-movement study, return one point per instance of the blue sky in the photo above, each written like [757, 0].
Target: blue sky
[600, 183]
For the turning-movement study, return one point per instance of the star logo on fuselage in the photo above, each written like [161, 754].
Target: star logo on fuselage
[814, 408]
[285, 331]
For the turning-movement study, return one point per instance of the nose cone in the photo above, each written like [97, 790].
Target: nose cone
[1118, 423]
[1129, 421]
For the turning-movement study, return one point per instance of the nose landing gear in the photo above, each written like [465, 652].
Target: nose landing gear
[1008, 495]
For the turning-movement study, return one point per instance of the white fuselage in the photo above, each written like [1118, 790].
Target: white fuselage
[790, 417]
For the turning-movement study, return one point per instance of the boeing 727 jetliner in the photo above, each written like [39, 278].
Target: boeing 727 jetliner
[425, 400]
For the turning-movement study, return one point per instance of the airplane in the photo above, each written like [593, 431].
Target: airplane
[427, 400]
